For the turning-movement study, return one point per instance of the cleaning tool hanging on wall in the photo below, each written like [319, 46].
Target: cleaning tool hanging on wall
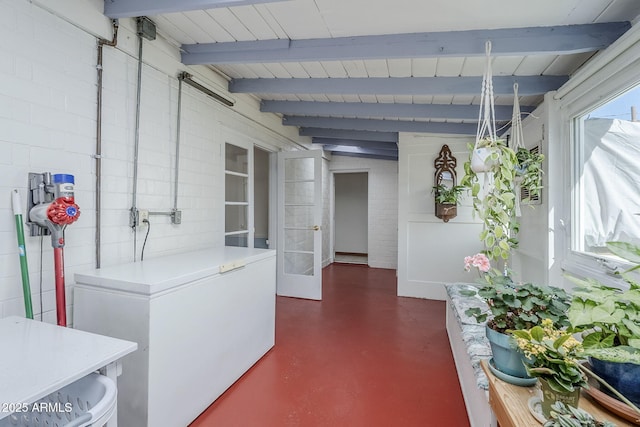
[24, 268]
[51, 208]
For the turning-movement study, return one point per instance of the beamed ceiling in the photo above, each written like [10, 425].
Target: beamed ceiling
[352, 74]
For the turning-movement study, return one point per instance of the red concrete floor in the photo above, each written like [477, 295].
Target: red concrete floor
[361, 357]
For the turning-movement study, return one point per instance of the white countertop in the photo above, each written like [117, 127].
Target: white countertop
[39, 358]
[160, 274]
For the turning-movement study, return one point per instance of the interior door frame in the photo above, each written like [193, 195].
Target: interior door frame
[332, 206]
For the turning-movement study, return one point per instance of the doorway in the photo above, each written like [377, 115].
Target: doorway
[351, 217]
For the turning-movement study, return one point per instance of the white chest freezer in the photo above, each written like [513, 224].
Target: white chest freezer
[201, 319]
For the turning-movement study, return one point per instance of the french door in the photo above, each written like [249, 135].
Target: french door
[299, 220]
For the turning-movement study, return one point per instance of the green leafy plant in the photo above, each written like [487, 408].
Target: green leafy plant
[530, 170]
[608, 317]
[448, 195]
[518, 305]
[553, 354]
[497, 205]
[568, 416]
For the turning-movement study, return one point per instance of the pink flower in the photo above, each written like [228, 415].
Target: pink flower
[480, 261]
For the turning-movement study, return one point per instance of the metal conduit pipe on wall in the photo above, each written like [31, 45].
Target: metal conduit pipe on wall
[177, 165]
[98, 154]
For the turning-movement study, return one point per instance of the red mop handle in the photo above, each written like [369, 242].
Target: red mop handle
[61, 305]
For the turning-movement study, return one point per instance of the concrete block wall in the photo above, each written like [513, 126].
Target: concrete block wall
[383, 206]
[48, 123]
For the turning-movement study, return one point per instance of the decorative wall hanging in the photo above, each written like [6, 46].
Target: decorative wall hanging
[446, 189]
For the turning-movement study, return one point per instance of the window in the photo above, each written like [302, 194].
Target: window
[236, 196]
[606, 178]
[247, 196]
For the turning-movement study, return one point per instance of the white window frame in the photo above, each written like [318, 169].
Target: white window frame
[249, 231]
[598, 89]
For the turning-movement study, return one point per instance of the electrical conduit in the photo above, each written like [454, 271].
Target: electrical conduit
[98, 155]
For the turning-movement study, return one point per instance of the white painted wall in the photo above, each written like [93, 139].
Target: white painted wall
[47, 123]
[351, 212]
[382, 207]
[430, 251]
[529, 261]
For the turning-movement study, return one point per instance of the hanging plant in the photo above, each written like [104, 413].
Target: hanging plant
[495, 203]
[529, 171]
[505, 170]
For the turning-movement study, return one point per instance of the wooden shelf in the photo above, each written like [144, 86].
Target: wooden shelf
[509, 404]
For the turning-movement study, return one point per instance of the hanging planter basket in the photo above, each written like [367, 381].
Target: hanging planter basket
[482, 158]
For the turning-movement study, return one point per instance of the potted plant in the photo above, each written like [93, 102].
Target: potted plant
[513, 306]
[529, 170]
[554, 358]
[609, 320]
[447, 201]
[496, 204]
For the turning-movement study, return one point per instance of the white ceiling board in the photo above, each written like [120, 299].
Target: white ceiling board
[620, 10]
[254, 21]
[166, 27]
[355, 68]
[385, 99]
[568, 64]
[195, 32]
[423, 99]
[209, 25]
[300, 19]
[334, 69]
[463, 99]
[506, 65]
[271, 21]
[424, 67]
[368, 98]
[351, 98]
[399, 67]
[245, 71]
[444, 99]
[474, 66]
[377, 68]
[315, 70]
[229, 70]
[403, 99]
[437, 15]
[335, 98]
[449, 67]
[534, 65]
[261, 71]
[231, 24]
[296, 70]
[278, 71]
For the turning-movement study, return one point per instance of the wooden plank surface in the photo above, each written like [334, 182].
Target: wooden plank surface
[509, 403]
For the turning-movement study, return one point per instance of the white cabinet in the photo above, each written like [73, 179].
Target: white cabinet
[200, 319]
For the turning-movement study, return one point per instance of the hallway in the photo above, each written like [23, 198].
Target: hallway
[361, 357]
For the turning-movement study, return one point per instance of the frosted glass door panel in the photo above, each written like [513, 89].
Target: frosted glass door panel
[299, 263]
[298, 240]
[298, 216]
[299, 169]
